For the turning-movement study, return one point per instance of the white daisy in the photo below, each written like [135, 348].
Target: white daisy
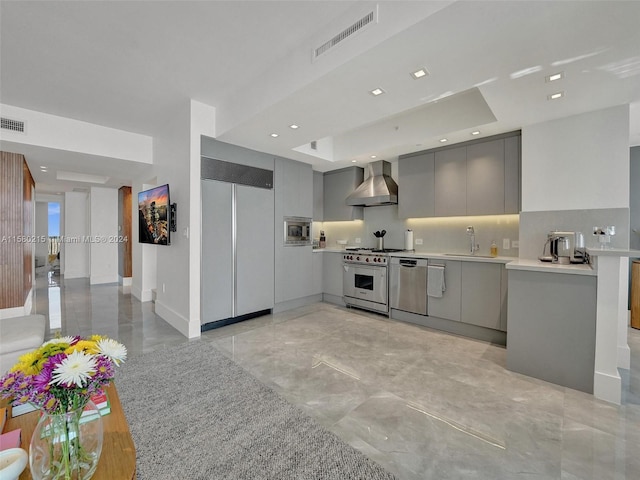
[115, 351]
[75, 369]
[59, 340]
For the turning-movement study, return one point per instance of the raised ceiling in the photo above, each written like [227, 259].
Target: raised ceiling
[129, 65]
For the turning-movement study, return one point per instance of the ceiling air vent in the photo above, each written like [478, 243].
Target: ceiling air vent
[13, 125]
[314, 145]
[369, 18]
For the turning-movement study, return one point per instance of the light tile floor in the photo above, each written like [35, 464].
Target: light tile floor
[424, 404]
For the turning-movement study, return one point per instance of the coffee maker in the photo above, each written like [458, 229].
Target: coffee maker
[565, 248]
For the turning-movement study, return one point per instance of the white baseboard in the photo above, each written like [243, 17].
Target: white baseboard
[101, 279]
[177, 321]
[19, 311]
[142, 295]
[69, 274]
[125, 281]
[607, 387]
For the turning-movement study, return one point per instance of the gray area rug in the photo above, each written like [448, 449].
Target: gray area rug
[195, 414]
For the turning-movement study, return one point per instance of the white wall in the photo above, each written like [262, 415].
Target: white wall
[42, 230]
[634, 207]
[144, 267]
[578, 162]
[203, 122]
[104, 233]
[62, 133]
[76, 226]
[176, 157]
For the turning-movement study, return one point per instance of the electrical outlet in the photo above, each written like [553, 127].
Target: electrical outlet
[418, 241]
[515, 244]
[358, 240]
[506, 244]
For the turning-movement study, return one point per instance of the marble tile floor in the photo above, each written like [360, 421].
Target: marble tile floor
[424, 404]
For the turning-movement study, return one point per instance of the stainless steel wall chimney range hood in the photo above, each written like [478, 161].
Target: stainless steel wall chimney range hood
[378, 189]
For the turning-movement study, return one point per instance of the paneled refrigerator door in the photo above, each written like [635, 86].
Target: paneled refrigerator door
[255, 253]
[217, 252]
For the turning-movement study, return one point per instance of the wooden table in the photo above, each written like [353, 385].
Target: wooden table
[118, 457]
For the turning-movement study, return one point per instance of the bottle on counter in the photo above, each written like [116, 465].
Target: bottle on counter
[494, 248]
[323, 240]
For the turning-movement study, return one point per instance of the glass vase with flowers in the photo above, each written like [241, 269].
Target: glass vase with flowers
[60, 378]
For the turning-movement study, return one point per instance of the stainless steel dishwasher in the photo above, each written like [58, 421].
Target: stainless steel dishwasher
[408, 285]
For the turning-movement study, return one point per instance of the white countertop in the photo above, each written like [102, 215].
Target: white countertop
[548, 267]
[613, 252]
[461, 257]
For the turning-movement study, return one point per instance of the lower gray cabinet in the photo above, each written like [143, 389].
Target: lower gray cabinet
[316, 270]
[482, 294]
[331, 273]
[448, 306]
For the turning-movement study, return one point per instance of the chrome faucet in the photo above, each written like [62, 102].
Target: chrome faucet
[472, 238]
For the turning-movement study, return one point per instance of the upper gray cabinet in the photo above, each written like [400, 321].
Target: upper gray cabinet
[416, 196]
[318, 196]
[475, 178]
[338, 185]
[451, 182]
[485, 178]
[512, 174]
[294, 189]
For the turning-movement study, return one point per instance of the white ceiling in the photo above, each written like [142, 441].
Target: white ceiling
[128, 65]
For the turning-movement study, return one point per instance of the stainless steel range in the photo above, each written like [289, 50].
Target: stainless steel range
[365, 279]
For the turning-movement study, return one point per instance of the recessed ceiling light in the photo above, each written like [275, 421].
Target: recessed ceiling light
[274, 135]
[555, 96]
[442, 140]
[477, 132]
[419, 73]
[373, 156]
[353, 161]
[554, 77]
[42, 167]
[294, 126]
[376, 91]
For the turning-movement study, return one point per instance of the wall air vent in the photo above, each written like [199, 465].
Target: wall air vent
[314, 145]
[12, 125]
[371, 17]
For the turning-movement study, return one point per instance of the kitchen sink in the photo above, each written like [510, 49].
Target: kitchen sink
[468, 255]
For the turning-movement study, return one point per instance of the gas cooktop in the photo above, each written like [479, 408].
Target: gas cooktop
[375, 250]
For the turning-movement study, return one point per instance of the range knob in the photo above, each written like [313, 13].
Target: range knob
[358, 258]
[367, 259]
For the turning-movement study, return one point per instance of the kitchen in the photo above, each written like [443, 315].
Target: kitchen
[478, 284]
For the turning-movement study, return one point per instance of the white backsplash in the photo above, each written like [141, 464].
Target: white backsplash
[439, 235]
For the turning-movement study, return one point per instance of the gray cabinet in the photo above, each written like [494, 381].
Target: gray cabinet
[512, 175]
[416, 179]
[476, 178]
[449, 306]
[318, 196]
[485, 178]
[482, 294]
[331, 274]
[552, 327]
[338, 185]
[293, 185]
[316, 270]
[451, 182]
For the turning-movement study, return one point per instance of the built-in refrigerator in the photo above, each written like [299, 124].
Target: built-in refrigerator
[237, 271]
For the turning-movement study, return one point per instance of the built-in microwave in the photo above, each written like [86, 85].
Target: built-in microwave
[297, 231]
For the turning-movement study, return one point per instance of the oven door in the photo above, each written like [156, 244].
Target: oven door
[365, 282]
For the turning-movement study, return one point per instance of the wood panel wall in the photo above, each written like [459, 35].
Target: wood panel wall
[125, 263]
[16, 230]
